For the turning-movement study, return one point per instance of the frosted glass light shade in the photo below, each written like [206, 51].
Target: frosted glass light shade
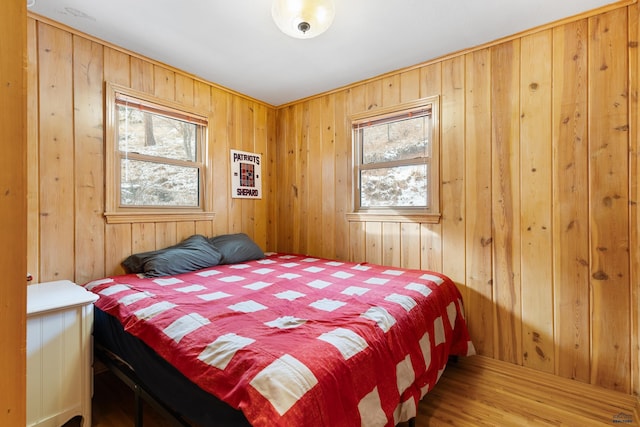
[303, 19]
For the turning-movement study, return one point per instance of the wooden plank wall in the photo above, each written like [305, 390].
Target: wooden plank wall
[13, 213]
[539, 167]
[68, 237]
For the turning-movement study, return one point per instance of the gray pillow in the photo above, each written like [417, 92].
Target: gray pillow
[193, 253]
[236, 248]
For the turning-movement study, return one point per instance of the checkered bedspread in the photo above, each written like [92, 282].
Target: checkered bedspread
[299, 341]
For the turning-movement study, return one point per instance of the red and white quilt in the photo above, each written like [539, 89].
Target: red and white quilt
[299, 341]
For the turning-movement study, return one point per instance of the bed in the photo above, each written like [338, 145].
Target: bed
[275, 339]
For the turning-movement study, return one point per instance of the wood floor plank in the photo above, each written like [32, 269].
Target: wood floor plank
[503, 394]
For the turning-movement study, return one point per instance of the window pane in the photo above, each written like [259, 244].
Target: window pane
[403, 186]
[155, 135]
[156, 184]
[399, 140]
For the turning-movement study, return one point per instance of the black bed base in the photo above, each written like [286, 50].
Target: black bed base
[128, 376]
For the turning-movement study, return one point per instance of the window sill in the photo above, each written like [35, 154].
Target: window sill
[136, 217]
[426, 218]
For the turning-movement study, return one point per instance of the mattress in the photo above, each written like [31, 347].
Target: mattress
[289, 340]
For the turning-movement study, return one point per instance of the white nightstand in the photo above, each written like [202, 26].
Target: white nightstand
[59, 353]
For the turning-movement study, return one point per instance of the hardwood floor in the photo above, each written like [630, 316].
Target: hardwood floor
[479, 391]
[475, 391]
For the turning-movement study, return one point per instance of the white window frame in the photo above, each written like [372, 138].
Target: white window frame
[430, 213]
[115, 212]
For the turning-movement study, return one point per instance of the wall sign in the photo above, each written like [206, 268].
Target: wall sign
[246, 176]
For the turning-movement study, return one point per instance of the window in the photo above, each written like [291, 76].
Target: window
[396, 170]
[156, 162]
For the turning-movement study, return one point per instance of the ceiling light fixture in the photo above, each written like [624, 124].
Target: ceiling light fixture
[303, 19]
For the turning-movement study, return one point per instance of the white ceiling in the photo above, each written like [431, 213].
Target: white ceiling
[235, 43]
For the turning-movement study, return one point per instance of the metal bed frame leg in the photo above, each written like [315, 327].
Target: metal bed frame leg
[138, 404]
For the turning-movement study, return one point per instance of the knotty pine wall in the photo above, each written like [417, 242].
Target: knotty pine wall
[68, 236]
[539, 169]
